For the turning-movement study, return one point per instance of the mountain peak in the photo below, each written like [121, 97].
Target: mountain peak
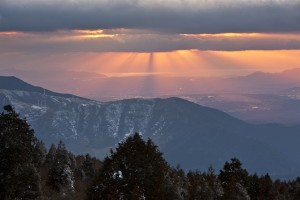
[14, 83]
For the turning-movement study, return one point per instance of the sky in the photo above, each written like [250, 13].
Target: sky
[133, 37]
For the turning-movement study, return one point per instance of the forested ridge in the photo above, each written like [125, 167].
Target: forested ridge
[136, 169]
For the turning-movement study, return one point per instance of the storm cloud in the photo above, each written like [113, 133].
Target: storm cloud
[180, 17]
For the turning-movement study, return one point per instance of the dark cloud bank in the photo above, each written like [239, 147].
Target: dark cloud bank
[242, 18]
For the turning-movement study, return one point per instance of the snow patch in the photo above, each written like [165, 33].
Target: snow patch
[117, 175]
[112, 116]
[36, 107]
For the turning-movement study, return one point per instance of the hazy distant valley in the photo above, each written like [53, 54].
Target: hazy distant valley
[256, 98]
[255, 108]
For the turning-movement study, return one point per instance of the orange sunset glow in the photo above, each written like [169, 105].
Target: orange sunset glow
[123, 52]
[185, 62]
[138, 42]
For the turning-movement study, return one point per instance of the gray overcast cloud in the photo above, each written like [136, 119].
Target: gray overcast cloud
[184, 16]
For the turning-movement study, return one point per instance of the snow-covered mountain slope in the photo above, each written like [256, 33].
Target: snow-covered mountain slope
[191, 135]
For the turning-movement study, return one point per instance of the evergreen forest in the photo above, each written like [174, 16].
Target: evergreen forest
[134, 170]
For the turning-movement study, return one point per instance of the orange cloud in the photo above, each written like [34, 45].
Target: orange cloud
[9, 33]
[220, 35]
[82, 34]
[245, 36]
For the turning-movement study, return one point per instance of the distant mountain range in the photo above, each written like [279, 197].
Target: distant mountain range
[288, 76]
[188, 134]
[99, 86]
[261, 82]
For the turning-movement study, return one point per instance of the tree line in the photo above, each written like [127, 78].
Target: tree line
[136, 169]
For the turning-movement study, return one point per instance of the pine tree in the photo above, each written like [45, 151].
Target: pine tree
[295, 189]
[61, 174]
[204, 186]
[267, 188]
[89, 166]
[176, 184]
[234, 180]
[26, 183]
[18, 175]
[39, 153]
[136, 170]
[50, 157]
[254, 186]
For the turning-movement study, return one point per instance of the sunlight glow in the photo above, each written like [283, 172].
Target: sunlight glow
[245, 35]
[225, 35]
[9, 33]
[195, 64]
[188, 62]
[92, 34]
